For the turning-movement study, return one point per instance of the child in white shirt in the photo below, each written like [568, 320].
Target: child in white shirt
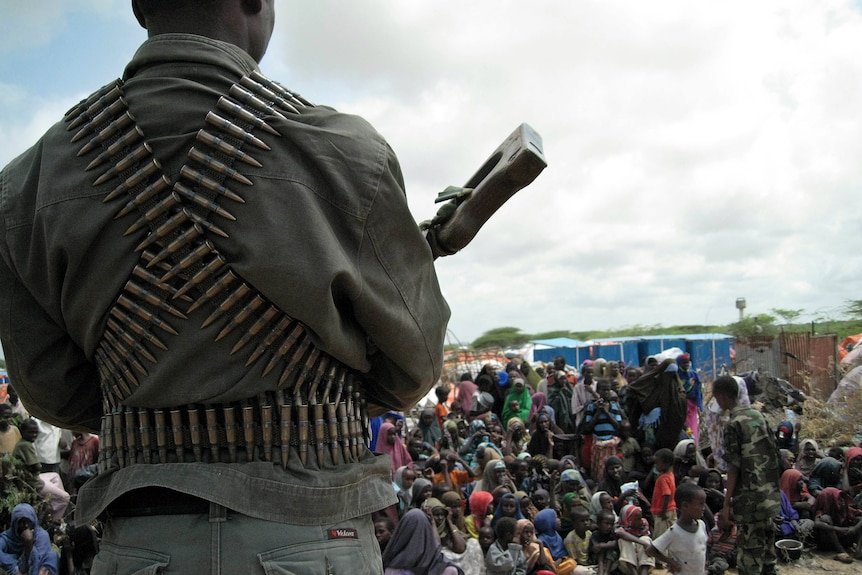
[683, 545]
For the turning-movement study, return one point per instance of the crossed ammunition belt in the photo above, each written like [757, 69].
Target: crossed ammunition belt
[317, 401]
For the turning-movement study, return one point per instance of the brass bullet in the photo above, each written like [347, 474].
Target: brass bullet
[202, 201]
[200, 178]
[267, 94]
[227, 149]
[224, 280]
[208, 270]
[231, 300]
[243, 315]
[149, 169]
[244, 115]
[237, 132]
[213, 164]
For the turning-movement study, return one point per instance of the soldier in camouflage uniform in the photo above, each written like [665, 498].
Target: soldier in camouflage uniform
[752, 494]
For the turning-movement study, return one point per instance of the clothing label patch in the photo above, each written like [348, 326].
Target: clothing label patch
[349, 533]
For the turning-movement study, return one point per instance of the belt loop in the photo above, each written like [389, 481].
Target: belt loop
[218, 513]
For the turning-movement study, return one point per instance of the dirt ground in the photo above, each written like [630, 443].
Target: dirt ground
[810, 562]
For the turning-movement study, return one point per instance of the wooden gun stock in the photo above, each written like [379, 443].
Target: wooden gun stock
[513, 166]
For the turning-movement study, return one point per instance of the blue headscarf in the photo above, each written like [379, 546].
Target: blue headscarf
[12, 545]
[546, 530]
[498, 512]
[690, 381]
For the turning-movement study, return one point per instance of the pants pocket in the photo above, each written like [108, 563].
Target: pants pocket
[116, 560]
[319, 558]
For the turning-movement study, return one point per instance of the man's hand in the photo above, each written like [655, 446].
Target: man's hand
[27, 536]
[724, 522]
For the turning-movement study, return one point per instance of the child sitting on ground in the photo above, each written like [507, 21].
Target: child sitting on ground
[634, 542]
[720, 550]
[683, 545]
[577, 542]
[603, 544]
[505, 557]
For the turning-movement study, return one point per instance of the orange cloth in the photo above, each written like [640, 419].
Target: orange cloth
[664, 485]
[458, 478]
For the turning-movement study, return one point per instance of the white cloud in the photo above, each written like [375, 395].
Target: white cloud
[698, 152]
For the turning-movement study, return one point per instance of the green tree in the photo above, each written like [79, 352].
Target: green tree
[501, 337]
[788, 315]
[754, 325]
[853, 308]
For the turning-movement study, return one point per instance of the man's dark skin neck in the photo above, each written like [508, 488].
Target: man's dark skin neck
[247, 24]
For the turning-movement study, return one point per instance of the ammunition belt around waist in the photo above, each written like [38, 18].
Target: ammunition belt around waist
[264, 428]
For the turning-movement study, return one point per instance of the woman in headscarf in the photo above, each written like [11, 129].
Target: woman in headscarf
[571, 481]
[546, 529]
[539, 404]
[415, 550]
[450, 537]
[470, 560]
[599, 501]
[837, 524]
[466, 388]
[429, 426]
[657, 406]
[712, 484]
[480, 502]
[809, 455]
[717, 419]
[16, 555]
[517, 437]
[793, 485]
[420, 492]
[541, 441]
[508, 506]
[560, 399]
[518, 402]
[478, 434]
[584, 391]
[852, 480]
[693, 389]
[686, 458]
[787, 459]
[537, 553]
[403, 480]
[451, 438]
[827, 473]
[493, 477]
[612, 480]
[390, 444]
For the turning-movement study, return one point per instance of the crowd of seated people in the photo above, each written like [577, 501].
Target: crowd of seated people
[43, 467]
[561, 470]
[519, 469]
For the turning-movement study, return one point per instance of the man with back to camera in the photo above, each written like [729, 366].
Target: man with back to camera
[223, 277]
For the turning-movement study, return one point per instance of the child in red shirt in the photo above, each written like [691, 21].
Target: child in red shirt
[663, 506]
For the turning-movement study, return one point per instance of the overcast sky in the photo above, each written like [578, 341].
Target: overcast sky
[698, 151]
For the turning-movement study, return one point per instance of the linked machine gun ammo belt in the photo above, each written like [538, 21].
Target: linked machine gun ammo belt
[316, 406]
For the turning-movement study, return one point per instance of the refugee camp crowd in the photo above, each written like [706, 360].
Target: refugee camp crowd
[531, 469]
[605, 468]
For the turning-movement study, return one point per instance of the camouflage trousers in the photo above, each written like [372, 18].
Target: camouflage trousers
[755, 546]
